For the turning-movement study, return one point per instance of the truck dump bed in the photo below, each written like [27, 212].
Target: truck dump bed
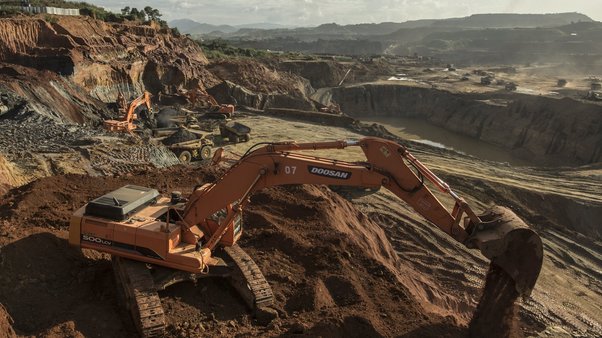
[236, 128]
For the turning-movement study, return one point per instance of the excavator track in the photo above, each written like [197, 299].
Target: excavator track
[140, 296]
[248, 280]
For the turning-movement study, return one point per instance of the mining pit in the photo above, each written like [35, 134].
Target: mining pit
[338, 268]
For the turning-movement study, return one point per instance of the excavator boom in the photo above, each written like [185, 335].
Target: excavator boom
[388, 165]
[200, 96]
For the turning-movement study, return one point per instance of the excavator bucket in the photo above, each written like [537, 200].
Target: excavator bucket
[510, 244]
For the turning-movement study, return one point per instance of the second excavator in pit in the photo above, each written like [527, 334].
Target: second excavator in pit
[157, 241]
[126, 121]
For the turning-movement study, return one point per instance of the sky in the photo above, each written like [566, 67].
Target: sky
[316, 12]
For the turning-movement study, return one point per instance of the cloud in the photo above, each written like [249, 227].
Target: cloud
[315, 12]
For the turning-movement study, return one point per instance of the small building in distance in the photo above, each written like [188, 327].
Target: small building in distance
[51, 10]
[25, 6]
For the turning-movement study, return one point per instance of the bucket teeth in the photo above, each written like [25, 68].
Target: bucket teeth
[509, 243]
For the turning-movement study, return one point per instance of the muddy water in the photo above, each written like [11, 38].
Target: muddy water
[424, 132]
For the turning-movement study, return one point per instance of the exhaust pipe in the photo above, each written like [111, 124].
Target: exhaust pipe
[510, 244]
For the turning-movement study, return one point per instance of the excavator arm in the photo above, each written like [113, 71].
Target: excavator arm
[127, 123]
[137, 102]
[387, 165]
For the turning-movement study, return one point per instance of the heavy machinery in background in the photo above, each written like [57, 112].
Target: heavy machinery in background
[173, 118]
[188, 145]
[190, 151]
[332, 108]
[235, 132]
[126, 122]
[170, 120]
[198, 97]
[157, 241]
[511, 86]
[593, 95]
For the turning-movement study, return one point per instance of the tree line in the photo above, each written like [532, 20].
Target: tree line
[148, 13]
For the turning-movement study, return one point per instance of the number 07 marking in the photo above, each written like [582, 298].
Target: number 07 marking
[290, 170]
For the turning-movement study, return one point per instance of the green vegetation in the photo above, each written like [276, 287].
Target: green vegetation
[148, 12]
[50, 18]
[220, 49]
[7, 12]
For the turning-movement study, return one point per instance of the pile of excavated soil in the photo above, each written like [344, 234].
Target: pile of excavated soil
[497, 312]
[331, 268]
[182, 135]
[6, 329]
[9, 175]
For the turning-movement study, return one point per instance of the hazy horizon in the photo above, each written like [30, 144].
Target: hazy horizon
[316, 12]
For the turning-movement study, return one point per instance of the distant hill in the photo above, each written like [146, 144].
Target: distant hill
[188, 26]
[263, 25]
[482, 37]
[504, 20]
[578, 44]
[334, 31]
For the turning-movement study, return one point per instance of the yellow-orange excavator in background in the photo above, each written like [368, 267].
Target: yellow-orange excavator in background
[126, 123]
[157, 241]
[199, 97]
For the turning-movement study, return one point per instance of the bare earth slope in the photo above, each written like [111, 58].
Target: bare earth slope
[101, 57]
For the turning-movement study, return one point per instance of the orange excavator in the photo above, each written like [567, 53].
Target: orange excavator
[156, 241]
[126, 123]
[200, 97]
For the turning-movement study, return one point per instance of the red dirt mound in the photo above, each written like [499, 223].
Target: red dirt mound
[329, 267]
[497, 312]
[6, 329]
[49, 202]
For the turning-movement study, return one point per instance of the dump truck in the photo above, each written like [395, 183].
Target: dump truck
[194, 150]
[235, 132]
[188, 145]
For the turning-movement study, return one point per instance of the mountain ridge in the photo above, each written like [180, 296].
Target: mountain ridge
[484, 20]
